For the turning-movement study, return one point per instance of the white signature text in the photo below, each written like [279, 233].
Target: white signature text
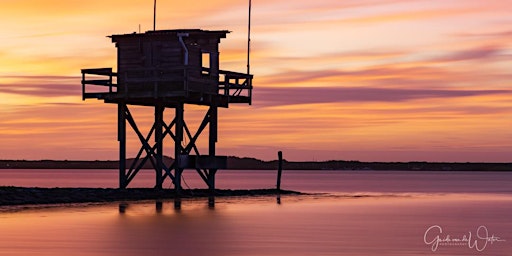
[479, 241]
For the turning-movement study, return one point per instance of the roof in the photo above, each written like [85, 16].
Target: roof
[174, 33]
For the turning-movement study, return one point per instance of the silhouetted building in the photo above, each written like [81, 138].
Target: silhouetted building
[168, 69]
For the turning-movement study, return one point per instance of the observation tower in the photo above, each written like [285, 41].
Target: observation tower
[166, 70]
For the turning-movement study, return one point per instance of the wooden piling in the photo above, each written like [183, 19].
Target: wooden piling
[279, 170]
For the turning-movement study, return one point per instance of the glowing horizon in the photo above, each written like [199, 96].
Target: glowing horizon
[353, 80]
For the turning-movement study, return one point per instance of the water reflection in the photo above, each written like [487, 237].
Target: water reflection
[211, 202]
[193, 229]
[123, 206]
[317, 225]
[302, 225]
[158, 206]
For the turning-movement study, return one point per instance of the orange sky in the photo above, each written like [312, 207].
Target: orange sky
[388, 80]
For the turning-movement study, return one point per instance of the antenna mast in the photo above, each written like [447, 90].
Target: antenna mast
[154, 16]
[248, 41]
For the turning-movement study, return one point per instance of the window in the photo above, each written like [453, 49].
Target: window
[205, 60]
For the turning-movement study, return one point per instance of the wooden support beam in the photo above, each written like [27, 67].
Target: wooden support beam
[121, 137]
[159, 120]
[279, 169]
[205, 165]
[213, 118]
[149, 150]
[178, 149]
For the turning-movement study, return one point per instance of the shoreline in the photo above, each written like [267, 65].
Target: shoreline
[236, 163]
[14, 196]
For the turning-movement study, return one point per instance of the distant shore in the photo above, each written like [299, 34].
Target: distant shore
[35, 196]
[237, 163]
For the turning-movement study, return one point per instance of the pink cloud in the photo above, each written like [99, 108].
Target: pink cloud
[42, 86]
[312, 95]
[477, 54]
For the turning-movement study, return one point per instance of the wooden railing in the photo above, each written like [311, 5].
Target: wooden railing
[237, 86]
[101, 77]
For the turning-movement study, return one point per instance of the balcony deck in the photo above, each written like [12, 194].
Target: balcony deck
[168, 86]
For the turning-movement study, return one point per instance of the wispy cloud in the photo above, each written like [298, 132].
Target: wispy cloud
[498, 34]
[41, 86]
[440, 68]
[477, 54]
[313, 95]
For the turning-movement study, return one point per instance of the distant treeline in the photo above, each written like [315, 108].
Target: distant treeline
[237, 163]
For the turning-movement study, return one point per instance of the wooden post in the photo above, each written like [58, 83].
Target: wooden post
[213, 116]
[159, 113]
[279, 170]
[121, 137]
[177, 154]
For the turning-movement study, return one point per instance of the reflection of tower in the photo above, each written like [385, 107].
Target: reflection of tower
[167, 69]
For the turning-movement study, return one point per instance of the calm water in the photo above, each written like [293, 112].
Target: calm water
[358, 213]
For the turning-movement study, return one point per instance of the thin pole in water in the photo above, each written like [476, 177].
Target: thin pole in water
[279, 170]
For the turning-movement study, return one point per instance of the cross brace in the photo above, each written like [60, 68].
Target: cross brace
[205, 165]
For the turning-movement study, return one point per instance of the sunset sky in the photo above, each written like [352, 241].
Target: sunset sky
[361, 80]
